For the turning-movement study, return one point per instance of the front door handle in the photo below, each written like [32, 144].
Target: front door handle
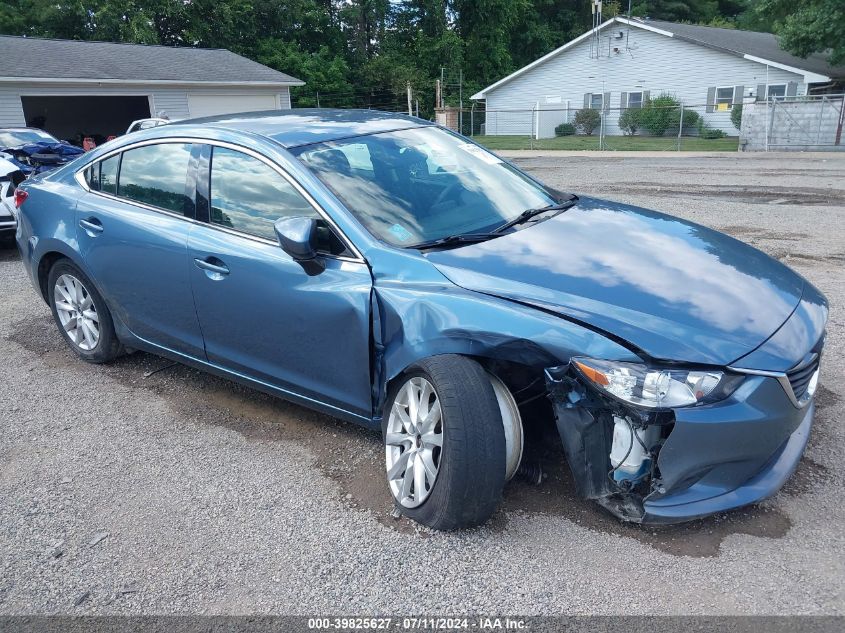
[92, 226]
[213, 267]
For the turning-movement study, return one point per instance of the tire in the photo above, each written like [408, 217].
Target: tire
[88, 316]
[470, 462]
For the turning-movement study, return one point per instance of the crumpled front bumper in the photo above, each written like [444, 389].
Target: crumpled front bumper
[702, 499]
[715, 457]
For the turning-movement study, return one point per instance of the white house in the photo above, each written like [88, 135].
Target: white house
[624, 61]
[99, 88]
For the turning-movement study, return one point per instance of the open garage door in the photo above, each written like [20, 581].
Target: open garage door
[211, 105]
[73, 118]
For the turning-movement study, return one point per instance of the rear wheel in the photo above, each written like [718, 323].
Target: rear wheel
[81, 314]
[445, 443]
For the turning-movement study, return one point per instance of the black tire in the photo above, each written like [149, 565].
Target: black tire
[108, 347]
[471, 474]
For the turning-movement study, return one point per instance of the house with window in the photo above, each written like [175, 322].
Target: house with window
[624, 62]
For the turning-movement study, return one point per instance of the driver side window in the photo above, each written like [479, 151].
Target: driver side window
[248, 195]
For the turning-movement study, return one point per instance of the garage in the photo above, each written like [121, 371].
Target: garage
[75, 117]
[76, 89]
[214, 104]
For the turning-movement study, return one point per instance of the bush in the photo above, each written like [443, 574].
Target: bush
[663, 113]
[660, 114]
[587, 120]
[705, 131]
[629, 121]
[691, 119]
[736, 116]
[565, 129]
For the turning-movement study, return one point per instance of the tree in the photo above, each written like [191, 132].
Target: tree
[485, 28]
[807, 27]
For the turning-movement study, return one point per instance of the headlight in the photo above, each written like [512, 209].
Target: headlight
[655, 388]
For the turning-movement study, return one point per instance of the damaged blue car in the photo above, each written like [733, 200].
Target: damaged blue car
[389, 272]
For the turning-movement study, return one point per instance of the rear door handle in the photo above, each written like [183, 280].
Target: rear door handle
[213, 267]
[92, 225]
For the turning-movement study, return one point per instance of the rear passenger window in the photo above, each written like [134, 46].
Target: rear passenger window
[249, 196]
[106, 180]
[155, 175]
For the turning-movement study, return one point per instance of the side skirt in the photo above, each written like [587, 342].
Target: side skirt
[133, 341]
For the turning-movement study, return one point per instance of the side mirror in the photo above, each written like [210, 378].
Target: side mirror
[297, 236]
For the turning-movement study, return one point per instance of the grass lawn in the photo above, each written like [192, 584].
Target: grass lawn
[619, 143]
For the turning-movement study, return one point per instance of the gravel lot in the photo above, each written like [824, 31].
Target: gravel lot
[175, 492]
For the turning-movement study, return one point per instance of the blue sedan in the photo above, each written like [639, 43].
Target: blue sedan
[392, 273]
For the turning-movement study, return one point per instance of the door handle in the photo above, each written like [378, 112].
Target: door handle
[213, 267]
[92, 225]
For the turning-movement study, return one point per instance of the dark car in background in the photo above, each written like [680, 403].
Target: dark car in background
[35, 151]
[389, 272]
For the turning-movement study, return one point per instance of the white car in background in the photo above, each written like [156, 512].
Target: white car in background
[10, 177]
[146, 124]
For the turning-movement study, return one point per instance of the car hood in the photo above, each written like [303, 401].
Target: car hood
[674, 290]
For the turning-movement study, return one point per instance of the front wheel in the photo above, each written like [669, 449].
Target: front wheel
[445, 443]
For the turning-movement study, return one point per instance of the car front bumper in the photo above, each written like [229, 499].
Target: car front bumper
[701, 500]
[714, 458]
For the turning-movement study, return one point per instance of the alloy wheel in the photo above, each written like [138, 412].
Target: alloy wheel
[77, 312]
[414, 442]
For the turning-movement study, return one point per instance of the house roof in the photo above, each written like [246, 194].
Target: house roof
[759, 47]
[762, 45]
[35, 59]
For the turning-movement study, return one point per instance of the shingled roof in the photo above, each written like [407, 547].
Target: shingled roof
[36, 58]
[762, 45]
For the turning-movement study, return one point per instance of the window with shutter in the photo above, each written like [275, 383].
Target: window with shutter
[776, 91]
[724, 98]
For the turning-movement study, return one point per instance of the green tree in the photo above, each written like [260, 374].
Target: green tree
[808, 26]
[485, 28]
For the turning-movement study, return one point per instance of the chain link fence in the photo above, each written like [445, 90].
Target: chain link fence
[561, 126]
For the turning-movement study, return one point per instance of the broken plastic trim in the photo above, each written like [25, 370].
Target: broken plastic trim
[585, 421]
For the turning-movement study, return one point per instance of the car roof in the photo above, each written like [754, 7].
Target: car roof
[292, 128]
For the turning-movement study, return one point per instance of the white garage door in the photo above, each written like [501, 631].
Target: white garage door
[210, 105]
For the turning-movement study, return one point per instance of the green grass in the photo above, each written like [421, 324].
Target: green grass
[619, 143]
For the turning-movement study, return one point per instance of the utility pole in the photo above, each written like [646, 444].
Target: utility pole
[461, 101]
[410, 109]
[437, 96]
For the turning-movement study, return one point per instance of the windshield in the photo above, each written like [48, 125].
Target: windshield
[422, 184]
[13, 138]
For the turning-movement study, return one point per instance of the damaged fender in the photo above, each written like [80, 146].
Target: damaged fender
[417, 317]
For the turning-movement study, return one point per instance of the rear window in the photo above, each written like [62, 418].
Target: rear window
[156, 175]
[108, 174]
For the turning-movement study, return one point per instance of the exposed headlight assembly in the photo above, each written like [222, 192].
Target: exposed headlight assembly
[653, 388]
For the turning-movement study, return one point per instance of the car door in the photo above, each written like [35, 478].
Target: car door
[261, 314]
[132, 229]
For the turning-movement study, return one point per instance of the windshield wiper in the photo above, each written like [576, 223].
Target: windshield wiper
[526, 215]
[454, 240]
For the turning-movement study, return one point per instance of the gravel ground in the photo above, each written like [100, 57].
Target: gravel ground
[128, 492]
